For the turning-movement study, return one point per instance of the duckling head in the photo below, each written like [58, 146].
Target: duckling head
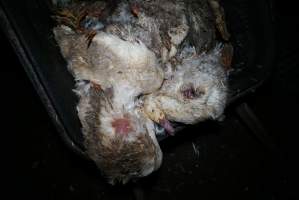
[195, 91]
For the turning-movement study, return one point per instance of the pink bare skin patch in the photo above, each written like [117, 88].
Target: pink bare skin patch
[189, 93]
[167, 125]
[122, 126]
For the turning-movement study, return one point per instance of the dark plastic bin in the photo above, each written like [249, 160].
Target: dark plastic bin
[28, 26]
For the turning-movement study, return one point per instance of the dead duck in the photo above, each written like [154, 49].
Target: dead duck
[195, 86]
[121, 142]
[118, 136]
[195, 91]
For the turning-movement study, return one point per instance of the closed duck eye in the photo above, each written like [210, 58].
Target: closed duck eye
[189, 92]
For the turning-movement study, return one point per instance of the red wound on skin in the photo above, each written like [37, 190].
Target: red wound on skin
[122, 126]
[189, 93]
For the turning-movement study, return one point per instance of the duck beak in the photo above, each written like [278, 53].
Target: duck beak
[167, 126]
[157, 115]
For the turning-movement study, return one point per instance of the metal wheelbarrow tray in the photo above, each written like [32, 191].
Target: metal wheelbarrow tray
[28, 25]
